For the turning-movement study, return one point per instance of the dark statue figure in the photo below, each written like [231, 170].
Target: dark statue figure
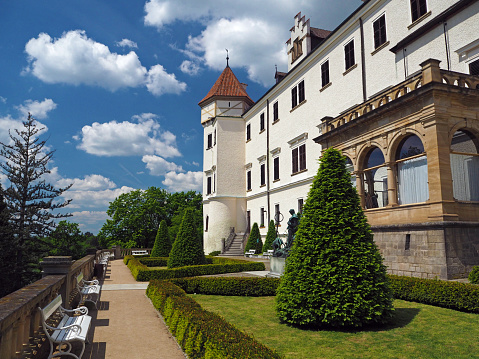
[279, 250]
[277, 244]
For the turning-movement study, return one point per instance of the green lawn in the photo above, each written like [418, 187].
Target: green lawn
[418, 331]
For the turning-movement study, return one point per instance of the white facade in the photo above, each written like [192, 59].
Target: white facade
[447, 31]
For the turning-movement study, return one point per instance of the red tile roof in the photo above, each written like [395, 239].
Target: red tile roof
[227, 85]
[320, 32]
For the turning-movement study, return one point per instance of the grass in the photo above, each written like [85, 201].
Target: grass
[418, 331]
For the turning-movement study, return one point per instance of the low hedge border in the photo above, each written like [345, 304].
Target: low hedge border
[202, 334]
[453, 295]
[240, 286]
[163, 261]
[142, 273]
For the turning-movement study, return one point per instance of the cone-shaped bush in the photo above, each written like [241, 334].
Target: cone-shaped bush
[258, 248]
[334, 275]
[187, 249]
[253, 236]
[270, 236]
[162, 246]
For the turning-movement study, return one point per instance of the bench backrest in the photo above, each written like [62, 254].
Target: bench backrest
[79, 277]
[51, 307]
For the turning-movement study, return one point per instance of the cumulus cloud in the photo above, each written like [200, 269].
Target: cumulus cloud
[189, 67]
[90, 182]
[78, 60]
[38, 109]
[127, 43]
[89, 220]
[177, 182]
[158, 166]
[8, 123]
[94, 199]
[3, 99]
[128, 139]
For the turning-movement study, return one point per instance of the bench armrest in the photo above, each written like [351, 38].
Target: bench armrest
[80, 310]
[91, 282]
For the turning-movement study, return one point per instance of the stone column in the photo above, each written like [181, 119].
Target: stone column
[431, 71]
[392, 184]
[59, 265]
[360, 187]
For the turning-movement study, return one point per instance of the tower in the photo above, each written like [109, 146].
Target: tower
[224, 188]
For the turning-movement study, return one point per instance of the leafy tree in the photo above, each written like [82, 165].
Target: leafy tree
[270, 237]
[162, 245]
[334, 275]
[187, 249]
[67, 240]
[30, 199]
[253, 238]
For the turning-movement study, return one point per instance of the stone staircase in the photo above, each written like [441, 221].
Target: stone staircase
[235, 248]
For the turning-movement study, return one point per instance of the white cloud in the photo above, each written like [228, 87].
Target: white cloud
[89, 220]
[189, 67]
[90, 182]
[158, 166]
[128, 139]
[127, 43]
[177, 182]
[10, 124]
[94, 199]
[3, 99]
[39, 110]
[75, 59]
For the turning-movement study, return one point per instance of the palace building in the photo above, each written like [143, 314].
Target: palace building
[395, 87]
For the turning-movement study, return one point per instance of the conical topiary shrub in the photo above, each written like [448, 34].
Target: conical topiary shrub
[258, 248]
[253, 236]
[334, 276]
[187, 249]
[162, 246]
[270, 237]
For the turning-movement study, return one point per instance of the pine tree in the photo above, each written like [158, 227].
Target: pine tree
[253, 237]
[29, 199]
[334, 276]
[7, 252]
[187, 249]
[259, 246]
[270, 236]
[162, 245]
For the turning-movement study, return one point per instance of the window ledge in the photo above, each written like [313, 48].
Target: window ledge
[419, 19]
[325, 86]
[209, 148]
[379, 48]
[298, 105]
[249, 190]
[275, 121]
[248, 140]
[263, 185]
[276, 180]
[260, 132]
[350, 69]
[296, 173]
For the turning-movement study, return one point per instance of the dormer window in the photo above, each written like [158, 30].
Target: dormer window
[297, 49]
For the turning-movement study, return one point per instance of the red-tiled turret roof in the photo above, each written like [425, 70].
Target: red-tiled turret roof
[227, 85]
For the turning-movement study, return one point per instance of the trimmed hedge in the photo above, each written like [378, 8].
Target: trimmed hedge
[127, 258]
[219, 265]
[202, 334]
[453, 295]
[240, 286]
[474, 275]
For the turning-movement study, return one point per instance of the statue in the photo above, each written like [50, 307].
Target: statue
[293, 223]
[277, 244]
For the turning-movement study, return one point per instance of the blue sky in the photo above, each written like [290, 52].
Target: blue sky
[116, 84]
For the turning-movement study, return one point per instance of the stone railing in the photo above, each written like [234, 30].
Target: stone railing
[430, 72]
[227, 243]
[21, 335]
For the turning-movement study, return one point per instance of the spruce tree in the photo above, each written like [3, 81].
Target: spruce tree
[162, 245]
[259, 246]
[29, 199]
[187, 249]
[270, 237]
[7, 250]
[253, 237]
[334, 275]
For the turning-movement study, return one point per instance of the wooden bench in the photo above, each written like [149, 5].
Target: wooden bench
[69, 329]
[268, 253]
[139, 253]
[250, 252]
[89, 289]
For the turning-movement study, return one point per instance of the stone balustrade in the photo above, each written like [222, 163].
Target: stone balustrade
[21, 335]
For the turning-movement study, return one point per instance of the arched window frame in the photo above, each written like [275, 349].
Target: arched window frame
[464, 157]
[377, 197]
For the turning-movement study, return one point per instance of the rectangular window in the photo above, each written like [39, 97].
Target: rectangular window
[418, 9]
[349, 54]
[300, 205]
[301, 96]
[276, 213]
[215, 139]
[248, 132]
[248, 180]
[325, 73]
[474, 68]
[295, 160]
[276, 169]
[214, 183]
[299, 158]
[261, 122]
[263, 174]
[210, 141]
[261, 213]
[275, 112]
[294, 97]
[379, 27]
[208, 185]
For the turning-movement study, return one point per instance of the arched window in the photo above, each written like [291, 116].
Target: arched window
[465, 166]
[411, 163]
[375, 179]
[350, 169]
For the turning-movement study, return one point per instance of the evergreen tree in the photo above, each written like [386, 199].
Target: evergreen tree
[253, 237]
[187, 249]
[270, 236]
[162, 245]
[29, 199]
[259, 246]
[334, 275]
[7, 250]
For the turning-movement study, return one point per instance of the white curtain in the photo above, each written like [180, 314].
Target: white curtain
[465, 177]
[412, 181]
